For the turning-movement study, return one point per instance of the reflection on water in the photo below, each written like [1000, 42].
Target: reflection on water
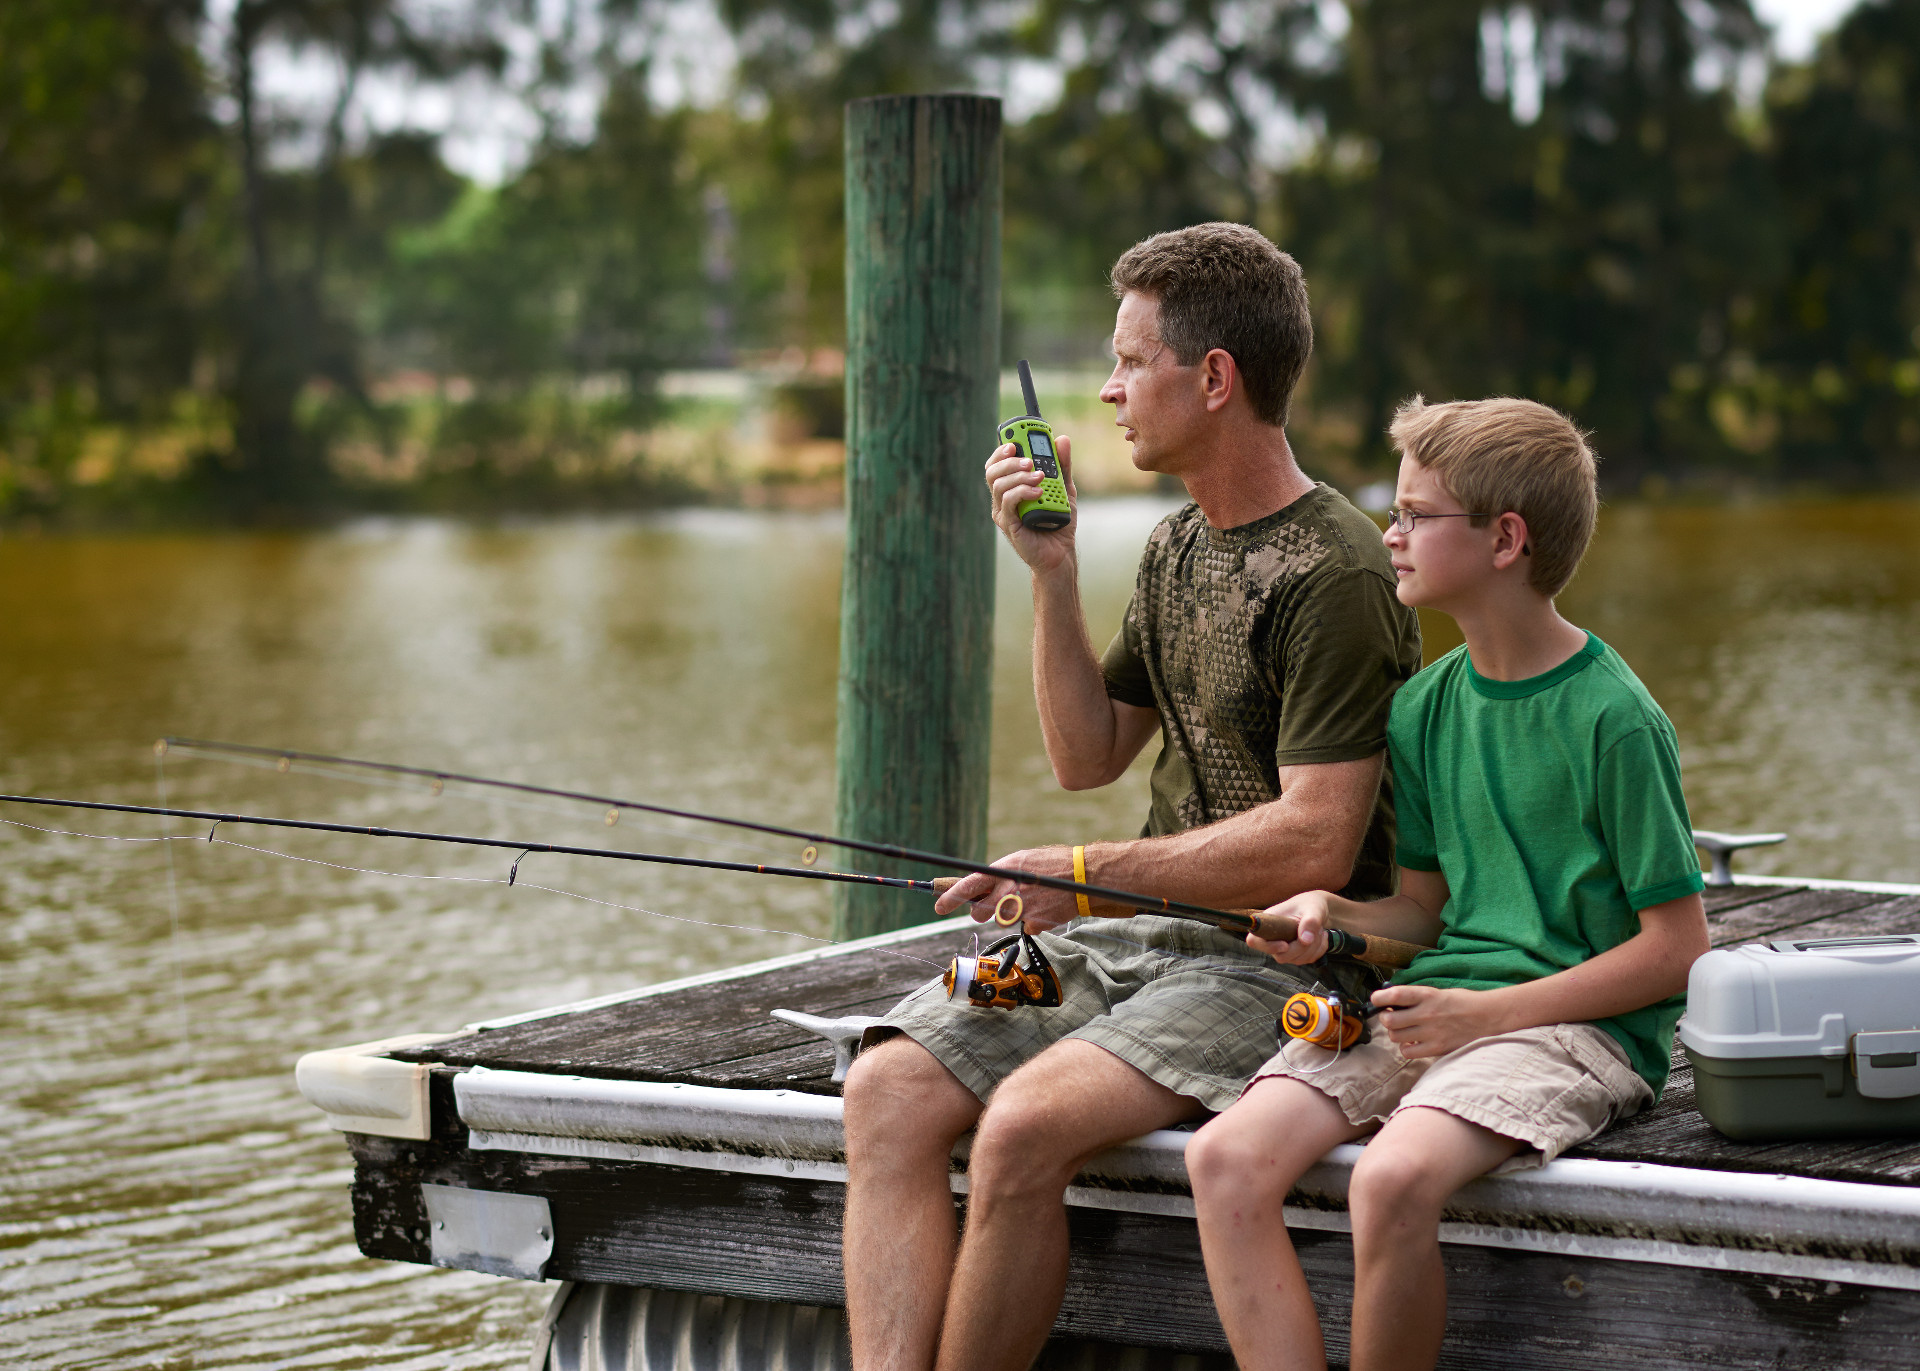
[170, 1202]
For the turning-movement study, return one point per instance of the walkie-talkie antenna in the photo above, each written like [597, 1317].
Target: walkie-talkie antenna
[1026, 390]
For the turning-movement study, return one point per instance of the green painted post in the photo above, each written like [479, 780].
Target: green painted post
[916, 599]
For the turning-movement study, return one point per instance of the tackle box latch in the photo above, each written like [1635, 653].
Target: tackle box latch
[1887, 1065]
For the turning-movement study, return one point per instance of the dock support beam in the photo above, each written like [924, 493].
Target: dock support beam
[916, 600]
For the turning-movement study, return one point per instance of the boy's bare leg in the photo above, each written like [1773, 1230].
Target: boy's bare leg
[1043, 1122]
[1403, 1181]
[904, 1112]
[1242, 1165]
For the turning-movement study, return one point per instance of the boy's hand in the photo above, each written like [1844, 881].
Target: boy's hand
[1427, 1021]
[1309, 911]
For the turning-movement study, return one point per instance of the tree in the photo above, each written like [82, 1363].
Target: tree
[108, 174]
[1839, 345]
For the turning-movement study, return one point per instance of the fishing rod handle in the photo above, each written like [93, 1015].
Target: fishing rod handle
[1389, 953]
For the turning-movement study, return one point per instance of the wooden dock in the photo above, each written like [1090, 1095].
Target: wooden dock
[678, 1139]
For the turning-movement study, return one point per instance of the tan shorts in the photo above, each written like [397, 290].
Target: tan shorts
[1551, 1087]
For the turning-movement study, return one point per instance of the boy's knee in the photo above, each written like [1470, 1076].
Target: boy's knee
[1390, 1183]
[1239, 1158]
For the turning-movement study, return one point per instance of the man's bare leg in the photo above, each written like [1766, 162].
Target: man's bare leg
[904, 1112]
[1399, 1187]
[1043, 1122]
[1242, 1165]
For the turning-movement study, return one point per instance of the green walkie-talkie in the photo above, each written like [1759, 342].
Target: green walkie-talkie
[1034, 436]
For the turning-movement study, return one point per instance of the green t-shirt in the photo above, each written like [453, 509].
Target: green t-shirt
[1277, 643]
[1553, 808]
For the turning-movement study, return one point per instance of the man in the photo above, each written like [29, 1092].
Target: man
[1263, 643]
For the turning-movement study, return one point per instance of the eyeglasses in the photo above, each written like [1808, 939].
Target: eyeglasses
[1405, 519]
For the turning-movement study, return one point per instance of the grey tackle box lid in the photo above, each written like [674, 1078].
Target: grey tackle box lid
[1805, 998]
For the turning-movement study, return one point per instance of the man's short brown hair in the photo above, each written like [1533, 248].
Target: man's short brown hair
[1502, 454]
[1226, 286]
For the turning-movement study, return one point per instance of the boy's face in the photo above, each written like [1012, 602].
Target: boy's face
[1439, 562]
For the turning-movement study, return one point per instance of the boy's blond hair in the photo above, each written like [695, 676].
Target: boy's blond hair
[1502, 455]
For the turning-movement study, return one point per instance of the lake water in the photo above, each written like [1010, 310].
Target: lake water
[169, 1201]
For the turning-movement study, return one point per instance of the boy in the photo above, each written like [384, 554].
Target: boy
[1544, 847]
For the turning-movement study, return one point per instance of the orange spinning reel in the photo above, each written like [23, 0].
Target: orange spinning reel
[1330, 1020]
[995, 979]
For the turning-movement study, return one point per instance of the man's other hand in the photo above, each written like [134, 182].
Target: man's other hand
[1040, 907]
[1013, 481]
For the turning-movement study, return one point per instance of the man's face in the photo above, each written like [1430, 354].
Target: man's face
[1156, 400]
[1437, 561]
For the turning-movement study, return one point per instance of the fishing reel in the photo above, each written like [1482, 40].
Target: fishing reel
[995, 979]
[1332, 1020]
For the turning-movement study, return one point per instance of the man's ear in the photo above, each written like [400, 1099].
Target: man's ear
[1511, 542]
[1219, 378]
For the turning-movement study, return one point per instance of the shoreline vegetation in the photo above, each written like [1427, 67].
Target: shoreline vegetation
[763, 437]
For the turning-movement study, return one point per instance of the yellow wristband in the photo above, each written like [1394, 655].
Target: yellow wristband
[1080, 875]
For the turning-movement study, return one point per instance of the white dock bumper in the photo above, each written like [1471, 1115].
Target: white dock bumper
[1626, 1211]
[361, 1091]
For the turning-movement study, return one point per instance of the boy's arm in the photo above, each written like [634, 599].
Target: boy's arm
[1427, 1021]
[1412, 916]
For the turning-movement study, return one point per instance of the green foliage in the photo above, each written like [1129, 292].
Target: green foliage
[1717, 291]
[106, 282]
[1839, 373]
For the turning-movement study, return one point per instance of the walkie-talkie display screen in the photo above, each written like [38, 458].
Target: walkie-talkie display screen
[1041, 447]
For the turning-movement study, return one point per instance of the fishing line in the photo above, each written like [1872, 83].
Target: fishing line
[441, 790]
[190, 1063]
[1157, 904]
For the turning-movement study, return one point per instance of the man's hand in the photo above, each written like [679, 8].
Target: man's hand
[1013, 481]
[1427, 1021]
[1310, 911]
[1040, 907]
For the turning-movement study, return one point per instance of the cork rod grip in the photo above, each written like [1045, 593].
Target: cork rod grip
[1362, 947]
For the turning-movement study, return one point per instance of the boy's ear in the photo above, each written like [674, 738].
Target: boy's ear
[1510, 542]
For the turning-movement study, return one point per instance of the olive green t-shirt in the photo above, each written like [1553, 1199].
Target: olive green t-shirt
[1274, 644]
[1553, 808]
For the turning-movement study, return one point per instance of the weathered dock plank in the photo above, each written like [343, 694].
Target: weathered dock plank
[1763, 918]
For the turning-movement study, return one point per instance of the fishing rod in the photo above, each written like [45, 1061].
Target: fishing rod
[523, 848]
[1239, 921]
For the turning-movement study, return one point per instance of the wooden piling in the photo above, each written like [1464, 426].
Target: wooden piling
[916, 602]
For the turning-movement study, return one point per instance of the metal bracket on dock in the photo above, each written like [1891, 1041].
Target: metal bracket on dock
[1722, 846]
[494, 1231]
[844, 1034]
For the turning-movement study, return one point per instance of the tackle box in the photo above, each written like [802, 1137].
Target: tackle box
[1807, 1039]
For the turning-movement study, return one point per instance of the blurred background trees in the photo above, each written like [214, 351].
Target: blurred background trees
[240, 279]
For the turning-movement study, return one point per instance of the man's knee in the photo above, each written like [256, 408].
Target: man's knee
[1034, 1132]
[899, 1095]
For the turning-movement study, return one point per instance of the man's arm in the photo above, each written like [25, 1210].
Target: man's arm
[1091, 737]
[1308, 839]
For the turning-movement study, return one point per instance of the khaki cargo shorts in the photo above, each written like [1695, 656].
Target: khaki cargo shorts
[1552, 1087]
[1191, 1007]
